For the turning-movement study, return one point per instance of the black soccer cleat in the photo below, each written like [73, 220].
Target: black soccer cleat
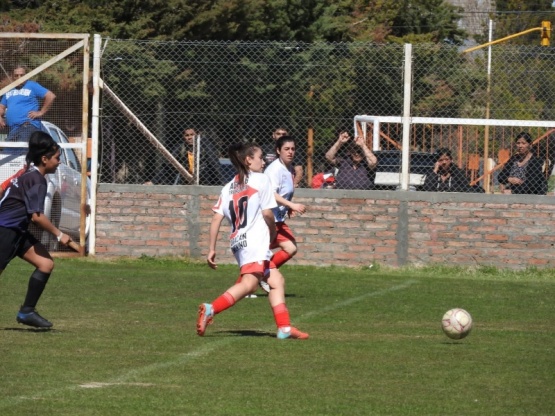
[33, 319]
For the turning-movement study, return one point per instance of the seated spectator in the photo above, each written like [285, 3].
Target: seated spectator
[358, 169]
[523, 172]
[446, 176]
[184, 152]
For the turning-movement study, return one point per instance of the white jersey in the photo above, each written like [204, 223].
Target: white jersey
[282, 184]
[242, 205]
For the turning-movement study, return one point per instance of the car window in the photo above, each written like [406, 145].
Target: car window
[54, 133]
[390, 161]
[69, 157]
[72, 160]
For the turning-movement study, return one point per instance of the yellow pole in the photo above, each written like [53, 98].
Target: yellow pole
[546, 33]
[507, 38]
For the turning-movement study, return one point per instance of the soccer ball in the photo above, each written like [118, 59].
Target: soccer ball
[456, 323]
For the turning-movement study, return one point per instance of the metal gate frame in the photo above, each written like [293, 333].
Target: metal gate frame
[82, 41]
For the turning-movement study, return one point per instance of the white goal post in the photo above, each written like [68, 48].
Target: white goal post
[371, 127]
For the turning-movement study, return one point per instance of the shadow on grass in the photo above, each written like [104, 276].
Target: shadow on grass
[265, 295]
[454, 342]
[39, 330]
[249, 333]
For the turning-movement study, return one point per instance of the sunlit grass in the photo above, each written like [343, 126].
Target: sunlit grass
[124, 342]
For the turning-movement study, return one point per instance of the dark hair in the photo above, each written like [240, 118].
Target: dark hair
[282, 140]
[525, 136]
[354, 149]
[443, 151]
[238, 153]
[40, 144]
[20, 65]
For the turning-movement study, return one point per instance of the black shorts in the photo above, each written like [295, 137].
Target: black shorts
[14, 243]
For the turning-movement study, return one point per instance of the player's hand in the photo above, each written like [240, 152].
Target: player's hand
[211, 259]
[65, 239]
[2, 122]
[298, 209]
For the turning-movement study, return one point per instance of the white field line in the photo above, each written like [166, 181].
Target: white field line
[126, 378]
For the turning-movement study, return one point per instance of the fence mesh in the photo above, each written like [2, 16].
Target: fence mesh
[229, 92]
[60, 59]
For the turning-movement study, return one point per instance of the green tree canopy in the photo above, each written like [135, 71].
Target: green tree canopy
[233, 20]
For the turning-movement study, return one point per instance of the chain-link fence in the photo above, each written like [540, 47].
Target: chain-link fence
[219, 93]
[57, 64]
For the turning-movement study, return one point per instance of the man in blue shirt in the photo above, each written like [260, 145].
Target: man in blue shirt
[20, 107]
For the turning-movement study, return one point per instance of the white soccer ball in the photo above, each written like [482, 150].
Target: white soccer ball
[456, 323]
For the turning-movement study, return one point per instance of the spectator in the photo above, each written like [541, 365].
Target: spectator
[446, 176]
[184, 152]
[21, 109]
[358, 170]
[270, 154]
[523, 172]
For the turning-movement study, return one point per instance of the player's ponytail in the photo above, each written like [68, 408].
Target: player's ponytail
[40, 144]
[238, 156]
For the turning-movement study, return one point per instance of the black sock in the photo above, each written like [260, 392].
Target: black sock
[37, 283]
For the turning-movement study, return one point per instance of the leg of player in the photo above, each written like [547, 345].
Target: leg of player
[280, 257]
[39, 257]
[250, 295]
[235, 293]
[276, 298]
[288, 250]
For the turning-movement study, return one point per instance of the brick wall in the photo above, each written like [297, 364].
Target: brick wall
[351, 228]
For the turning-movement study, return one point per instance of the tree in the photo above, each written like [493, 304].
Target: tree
[515, 16]
[246, 20]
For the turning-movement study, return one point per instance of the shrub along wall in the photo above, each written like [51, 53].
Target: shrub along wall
[347, 228]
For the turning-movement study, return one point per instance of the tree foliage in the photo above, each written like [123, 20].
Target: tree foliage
[235, 20]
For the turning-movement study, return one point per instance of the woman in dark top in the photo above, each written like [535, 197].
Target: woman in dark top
[21, 204]
[523, 172]
[446, 177]
[358, 169]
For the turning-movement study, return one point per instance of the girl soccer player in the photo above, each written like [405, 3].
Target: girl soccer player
[23, 202]
[247, 203]
[281, 174]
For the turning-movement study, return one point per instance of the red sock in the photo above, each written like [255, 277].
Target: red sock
[280, 258]
[281, 315]
[222, 303]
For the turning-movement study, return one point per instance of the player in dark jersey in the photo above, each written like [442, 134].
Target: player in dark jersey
[21, 204]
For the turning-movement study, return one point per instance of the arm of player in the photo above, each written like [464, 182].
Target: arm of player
[213, 235]
[268, 215]
[297, 208]
[43, 222]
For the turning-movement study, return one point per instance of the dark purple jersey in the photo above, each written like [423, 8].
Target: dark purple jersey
[24, 197]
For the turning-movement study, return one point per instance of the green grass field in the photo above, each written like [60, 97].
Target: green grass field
[124, 343]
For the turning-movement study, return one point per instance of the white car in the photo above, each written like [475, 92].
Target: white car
[63, 198]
